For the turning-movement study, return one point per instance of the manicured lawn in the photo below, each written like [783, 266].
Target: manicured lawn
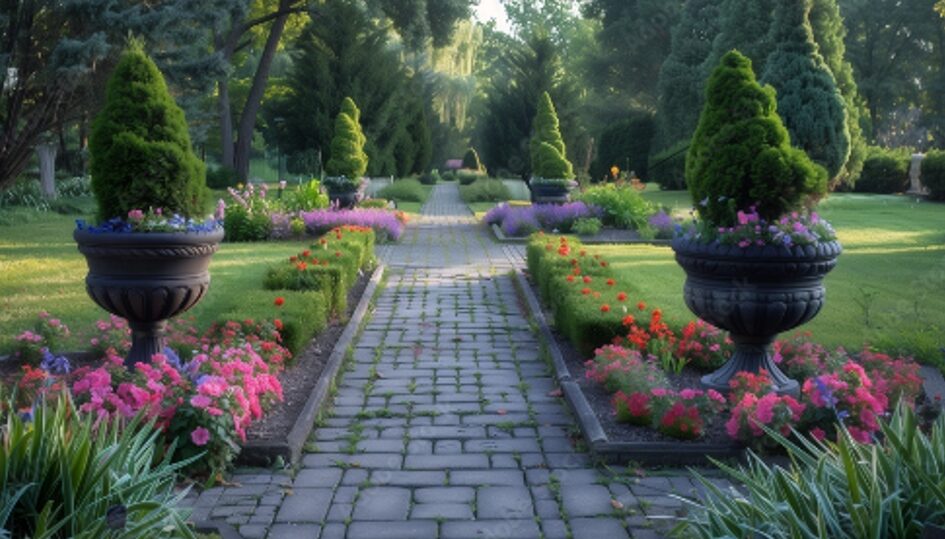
[893, 266]
[41, 269]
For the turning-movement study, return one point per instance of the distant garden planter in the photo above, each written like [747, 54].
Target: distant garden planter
[147, 278]
[551, 191]
[343, 192]
[754, 292]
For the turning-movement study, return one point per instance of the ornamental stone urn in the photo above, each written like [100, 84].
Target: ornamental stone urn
[147, 278]
[754, 292]
[545, 191]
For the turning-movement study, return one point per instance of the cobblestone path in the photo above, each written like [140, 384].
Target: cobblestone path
[445, 425]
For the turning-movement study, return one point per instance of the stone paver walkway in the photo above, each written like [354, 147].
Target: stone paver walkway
[445, 424]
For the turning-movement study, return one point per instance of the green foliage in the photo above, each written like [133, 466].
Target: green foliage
[485, 190]
[546, 147]
[306, 197]
[837, 489]
[808, 100]
[221, 177]
[430, 178]
[60, 474]
[829, 33]
[623, 206]
[405, 190]
[466, 176]
[471, 160]
[304, 314]
[744, 26]
[587, 226]
[140, 148]
[374, 203]
[885, 171]
[741, 155]
[668, 167]
[347, 146]
[247, 223]
[626, 144]
[682, 75]
[933, 174]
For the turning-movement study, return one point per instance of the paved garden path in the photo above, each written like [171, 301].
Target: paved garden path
[446, 424]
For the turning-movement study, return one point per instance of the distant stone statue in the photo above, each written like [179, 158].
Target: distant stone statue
[915, 173]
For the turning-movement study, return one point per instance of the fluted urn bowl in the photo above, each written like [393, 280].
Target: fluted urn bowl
[147, 278]
[754, 292]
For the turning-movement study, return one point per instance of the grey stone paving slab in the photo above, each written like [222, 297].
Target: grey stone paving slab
[494, 529]
[597, 528]
[382, 503]
[305, 505]
[414, 529]
[503, 503]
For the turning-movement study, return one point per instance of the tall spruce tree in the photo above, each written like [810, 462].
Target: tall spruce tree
[140, 147]
[808, 100]
[682, 76]
[741, 154]
[829, 33]
[744, 25]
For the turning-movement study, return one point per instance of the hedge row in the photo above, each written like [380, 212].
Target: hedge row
[313, 285]
[580, 290]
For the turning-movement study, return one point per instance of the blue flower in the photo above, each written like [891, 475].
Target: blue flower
[54, 364]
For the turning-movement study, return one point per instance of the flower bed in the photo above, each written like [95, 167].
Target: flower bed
[650, 370]
[207, 390]
[256, 214]
[523, 220]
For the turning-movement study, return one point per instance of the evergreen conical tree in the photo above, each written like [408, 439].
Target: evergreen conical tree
[471, 160]
[741, 155]
[139, 147]
[546, 131]
[347, 157]
[744, 26]
[682, 75]
[829, 33]
[351, 109]
[808, 100]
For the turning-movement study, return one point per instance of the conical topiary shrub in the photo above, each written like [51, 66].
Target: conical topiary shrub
[351, 109]
[741, 156]
[812, 108]
[140, 149]
[471, 160]
[347, 146]
[546, 131]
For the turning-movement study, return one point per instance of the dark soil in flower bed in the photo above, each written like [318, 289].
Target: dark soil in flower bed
[300, 377]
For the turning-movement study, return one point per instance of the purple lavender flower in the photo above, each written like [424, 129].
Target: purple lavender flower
[383, 222]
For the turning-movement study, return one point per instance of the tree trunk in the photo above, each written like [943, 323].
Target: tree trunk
[47, 168]
[244, 136]
[226, 124]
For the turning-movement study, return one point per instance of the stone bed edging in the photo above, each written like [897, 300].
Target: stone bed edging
[265, 452]
[500, 236]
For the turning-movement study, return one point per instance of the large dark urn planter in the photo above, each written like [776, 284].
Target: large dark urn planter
[343, 200]
[147, 278]
[755, 293]
[545, 193]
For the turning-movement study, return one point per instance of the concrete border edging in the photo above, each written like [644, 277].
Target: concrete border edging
[264, 452]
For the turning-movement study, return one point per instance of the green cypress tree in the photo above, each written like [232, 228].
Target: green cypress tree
[682, 76]
[140, 149]
[808, 101]
[744, 25]
[829, 33]
[351, 109]
[347, 157]
[546, 131]
[741, 155]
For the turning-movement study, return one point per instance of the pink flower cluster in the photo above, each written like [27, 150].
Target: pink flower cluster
[47, 334]
[679, 414]
[755, 404]
[705, 346]
[847, 395]
[624, 369]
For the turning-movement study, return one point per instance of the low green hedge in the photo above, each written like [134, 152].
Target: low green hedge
[578, 316]
[485, 190]
[885, 171]
[303, 313]
[405, 190]
[933, 174]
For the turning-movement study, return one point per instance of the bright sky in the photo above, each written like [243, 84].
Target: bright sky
[492, 9]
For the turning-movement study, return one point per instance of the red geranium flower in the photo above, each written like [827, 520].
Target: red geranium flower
[279, 301]
[605, 308]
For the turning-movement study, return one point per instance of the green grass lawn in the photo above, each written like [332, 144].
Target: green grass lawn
[41, 269]
[887, 288]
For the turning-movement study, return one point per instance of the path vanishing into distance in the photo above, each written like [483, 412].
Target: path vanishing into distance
[447, 425]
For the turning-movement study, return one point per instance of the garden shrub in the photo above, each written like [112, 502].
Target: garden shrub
[448, 176]
[63, 472]
[140, 150]
[623, 206]
[625, 140]
[546, 147]
[375, 203]
[347, 157]
[933, 174]
[587, 226]
[885, 171]
[741, 154]
[405, 190]
[302, 314]
[485, 190]
[467, 176]
[221, 177]
[668, 167]
[471, 160]
[430, 178]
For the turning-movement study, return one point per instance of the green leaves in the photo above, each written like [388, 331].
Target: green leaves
[891, 489]
[347, 145]
[546, 147]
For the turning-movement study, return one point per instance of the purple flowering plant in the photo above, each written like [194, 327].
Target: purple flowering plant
[152, 220]
[794, 228]
[523, 220]
[385, 223]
